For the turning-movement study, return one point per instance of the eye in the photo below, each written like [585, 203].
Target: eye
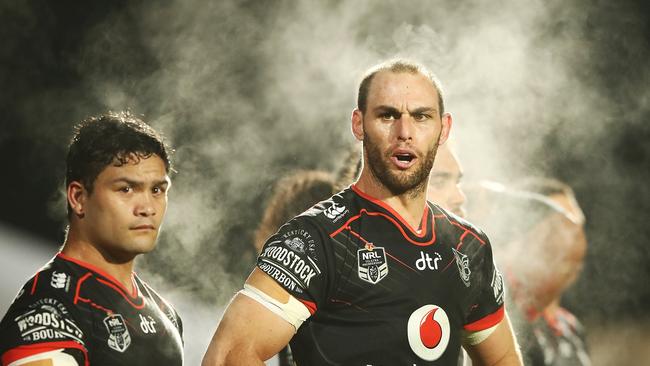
[421, 117]
[158, 190]
[126, 189]
[387, 116]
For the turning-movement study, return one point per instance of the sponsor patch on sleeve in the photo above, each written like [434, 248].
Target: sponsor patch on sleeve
[288, 260]
[497, 286]
[47, 320]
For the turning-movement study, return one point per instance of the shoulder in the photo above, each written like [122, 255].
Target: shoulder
[44, 309]
[55, 279]
[163, 304]
[449, 224]
[329, 214]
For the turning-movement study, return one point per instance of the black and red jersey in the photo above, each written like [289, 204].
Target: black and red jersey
[380, 292]
[74, 306]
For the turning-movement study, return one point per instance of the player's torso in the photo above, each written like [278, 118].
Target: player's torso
[130, 329]
[397, 296]
[561, 340]
[116, 328]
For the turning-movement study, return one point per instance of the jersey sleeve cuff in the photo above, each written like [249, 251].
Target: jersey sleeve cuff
[487, 321]
[24, 351]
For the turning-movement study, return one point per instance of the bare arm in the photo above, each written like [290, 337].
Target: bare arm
[249, 333]
[499, 349]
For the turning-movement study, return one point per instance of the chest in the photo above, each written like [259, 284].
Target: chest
[129, 330]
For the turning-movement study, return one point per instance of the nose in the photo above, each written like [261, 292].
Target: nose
[145, 206]
[404, 127]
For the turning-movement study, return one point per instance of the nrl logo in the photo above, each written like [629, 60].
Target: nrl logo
[462, 261]
[372, 264]
[295, 244]
[119, 338]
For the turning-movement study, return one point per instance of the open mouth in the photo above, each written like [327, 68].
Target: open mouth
[404, 157]
[403, 160]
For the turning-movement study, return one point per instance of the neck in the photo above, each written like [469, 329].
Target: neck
[82, 249]
[410, 205]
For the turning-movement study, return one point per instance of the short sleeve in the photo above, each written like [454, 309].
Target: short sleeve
[294, 257]
[487, 305]
[38, 324]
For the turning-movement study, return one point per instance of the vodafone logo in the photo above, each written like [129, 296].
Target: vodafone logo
[428, 332]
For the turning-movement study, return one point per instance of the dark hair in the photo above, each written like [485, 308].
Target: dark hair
[396, 66]
[291, 196]
[111, 138]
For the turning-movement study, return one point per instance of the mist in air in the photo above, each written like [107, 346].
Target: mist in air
[248, 92]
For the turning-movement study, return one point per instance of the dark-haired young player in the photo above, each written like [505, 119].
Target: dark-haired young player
[376, 275]
[87, 306]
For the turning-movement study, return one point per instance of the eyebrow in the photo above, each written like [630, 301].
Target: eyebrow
[135, 183]
[391, 109]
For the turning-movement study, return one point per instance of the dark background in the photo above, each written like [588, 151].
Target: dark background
[61, 61]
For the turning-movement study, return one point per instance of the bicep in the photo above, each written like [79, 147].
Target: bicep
[249, 332]
[499, 348]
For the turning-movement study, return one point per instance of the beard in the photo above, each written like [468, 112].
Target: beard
[401, 182]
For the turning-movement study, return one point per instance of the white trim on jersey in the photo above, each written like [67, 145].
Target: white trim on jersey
[57, 357]
[293, 311]
[474, 338]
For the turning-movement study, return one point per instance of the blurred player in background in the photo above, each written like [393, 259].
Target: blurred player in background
[541, 246]
[87, 306]
[444, 182]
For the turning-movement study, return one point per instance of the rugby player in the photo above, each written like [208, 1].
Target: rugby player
[87, 306]
[376, 275]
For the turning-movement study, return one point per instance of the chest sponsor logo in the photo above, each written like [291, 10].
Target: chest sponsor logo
[287, 267]
[372, 264]
[335, 212]
[47, 319]
[119, 338]
[497, 286]
[428, 332]
[428, 261]
[147, 324]
[60, 280]
[462, 262]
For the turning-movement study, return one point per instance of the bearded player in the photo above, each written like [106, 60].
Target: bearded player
[87, 306]
[376, 275]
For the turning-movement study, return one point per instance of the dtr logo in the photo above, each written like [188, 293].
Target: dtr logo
[428, 262]
[428, 332]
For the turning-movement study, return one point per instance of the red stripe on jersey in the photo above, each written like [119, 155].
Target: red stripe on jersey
[400, 262]
[384, 205]
[124, 295]
[95, 269]
[311, 306]
[392, 220]
[21, 352]
[81, 280]
[487, 321]
[34, 284]
[468, 231]
[78, 298]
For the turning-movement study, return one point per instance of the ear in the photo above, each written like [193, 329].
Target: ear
[446, 122]
[76, 195]
[357, 124]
